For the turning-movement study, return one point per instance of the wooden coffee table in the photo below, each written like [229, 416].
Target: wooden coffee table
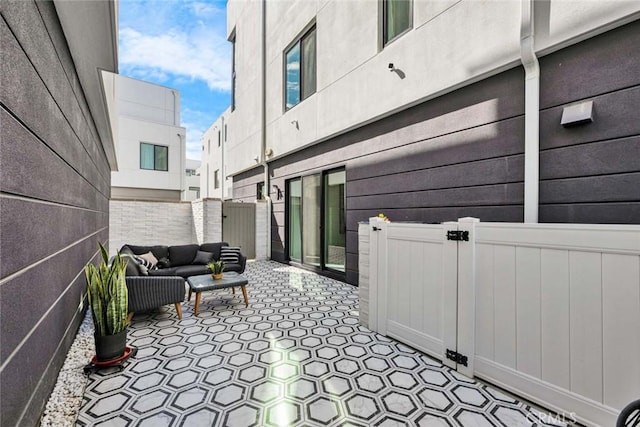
[205, 282]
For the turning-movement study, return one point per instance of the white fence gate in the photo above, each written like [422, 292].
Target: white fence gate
[548, 311]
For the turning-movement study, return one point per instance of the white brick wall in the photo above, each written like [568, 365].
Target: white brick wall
[363, 275]
[211, 221]
[150, 223]
[197, 210]
[164, 223]
[262, 221]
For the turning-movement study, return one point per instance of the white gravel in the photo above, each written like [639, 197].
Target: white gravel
[66, 398]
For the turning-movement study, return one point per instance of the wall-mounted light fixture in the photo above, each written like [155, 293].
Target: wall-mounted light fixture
[398, 71]
[577, 114]
[295, 123]
[278, 192]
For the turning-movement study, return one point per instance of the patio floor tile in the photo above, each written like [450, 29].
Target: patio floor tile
[296, 356]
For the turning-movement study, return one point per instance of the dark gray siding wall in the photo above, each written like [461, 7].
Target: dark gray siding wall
[54, 192]
[245, 185]
[462, 154]
[591, 173]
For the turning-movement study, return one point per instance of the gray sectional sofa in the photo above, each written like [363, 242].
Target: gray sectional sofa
[164, 283]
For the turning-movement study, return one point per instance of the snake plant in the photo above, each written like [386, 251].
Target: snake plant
[216, 267]
[107, 293]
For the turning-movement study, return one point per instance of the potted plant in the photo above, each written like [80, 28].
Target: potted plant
[216, 268]
[108, 298]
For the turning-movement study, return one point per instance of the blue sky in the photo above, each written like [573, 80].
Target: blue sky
[181, 44]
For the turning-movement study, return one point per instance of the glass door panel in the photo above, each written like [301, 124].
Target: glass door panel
[335, 229]
[295, 220]
[311, 192]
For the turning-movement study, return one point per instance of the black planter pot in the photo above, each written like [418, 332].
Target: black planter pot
[110, 347]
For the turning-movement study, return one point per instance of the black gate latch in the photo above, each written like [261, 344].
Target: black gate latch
[458, 235]
[457, 357]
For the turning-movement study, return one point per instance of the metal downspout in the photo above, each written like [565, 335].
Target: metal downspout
[531, 113]
[263, 125]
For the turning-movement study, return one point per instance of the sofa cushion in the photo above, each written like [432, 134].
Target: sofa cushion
[192, 270]
[171, 271]
[203, 258]
[230, 255]
[182, 254]
[158, 251]
[214, 248]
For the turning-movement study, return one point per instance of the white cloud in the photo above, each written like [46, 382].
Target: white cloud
[197, 54]
[203, 9]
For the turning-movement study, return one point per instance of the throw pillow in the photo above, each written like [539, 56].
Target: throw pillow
[203, 258]
[230, 255]
[150, 258]
[143, 262]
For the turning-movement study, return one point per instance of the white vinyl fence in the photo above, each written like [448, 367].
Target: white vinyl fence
[548, 311]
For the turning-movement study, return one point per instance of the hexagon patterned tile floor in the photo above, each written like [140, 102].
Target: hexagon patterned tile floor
[295, 357]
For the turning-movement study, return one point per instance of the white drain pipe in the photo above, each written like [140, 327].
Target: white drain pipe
[263, 125]
[531, 113]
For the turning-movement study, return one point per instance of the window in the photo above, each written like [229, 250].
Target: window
[154, 157]
[225, 133]
[216, 178]
[191, 172]
[219, 139]
[260, 191]
[396, 19]
[300, 69]
[233, 71]
[208, 145]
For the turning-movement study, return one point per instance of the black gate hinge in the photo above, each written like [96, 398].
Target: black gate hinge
[457, 357]
[458, 235]
[376, 229]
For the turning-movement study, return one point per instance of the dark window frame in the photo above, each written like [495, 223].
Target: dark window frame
[384, 41]
[299, 40]
[155, 161]
[260, 191]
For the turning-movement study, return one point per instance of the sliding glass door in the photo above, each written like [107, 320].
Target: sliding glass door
[335, 228]
[311, 220]
[294, 226]
[316, 223]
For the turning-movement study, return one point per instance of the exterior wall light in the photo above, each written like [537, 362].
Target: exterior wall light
[278, 192]
[398, 71]
[577, 114]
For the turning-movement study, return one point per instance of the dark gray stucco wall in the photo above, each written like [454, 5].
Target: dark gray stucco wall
[591, 173]
[54, 192]
[462, 154]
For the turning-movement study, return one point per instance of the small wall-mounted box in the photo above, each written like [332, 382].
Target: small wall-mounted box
[577, 114]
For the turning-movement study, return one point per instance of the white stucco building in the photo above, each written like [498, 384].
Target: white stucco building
[428, 111]
[150, 142]
[192, 180]
[214, 181]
